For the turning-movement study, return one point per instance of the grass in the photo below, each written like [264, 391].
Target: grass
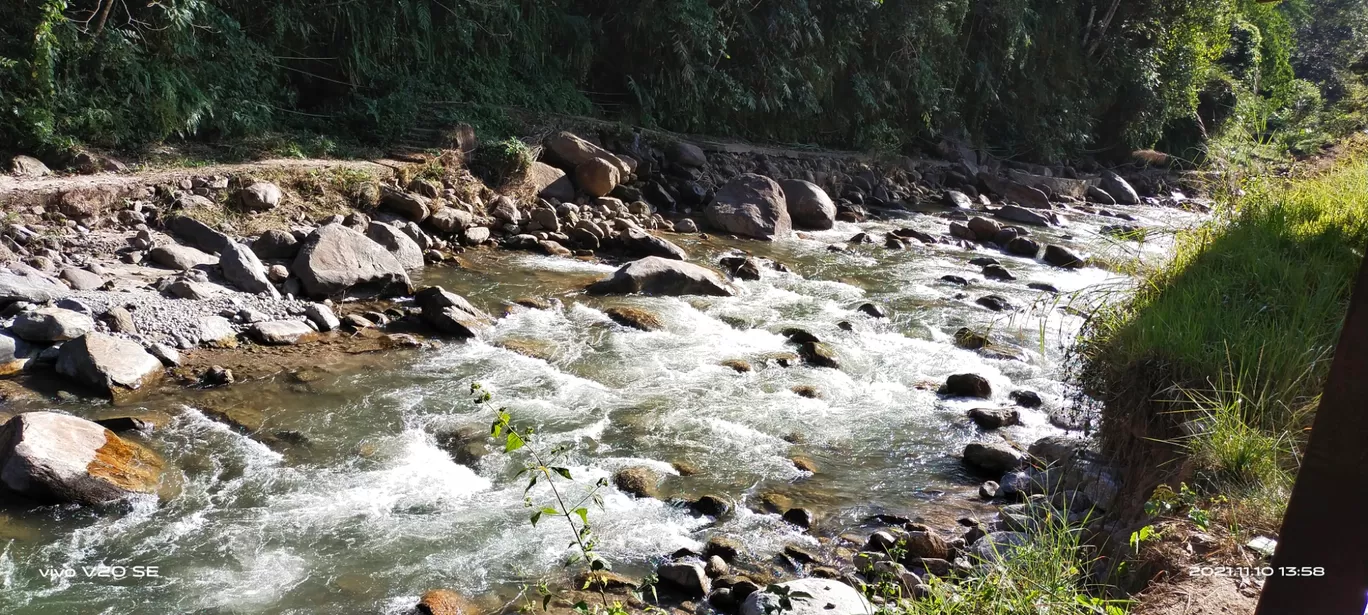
[1212, 370]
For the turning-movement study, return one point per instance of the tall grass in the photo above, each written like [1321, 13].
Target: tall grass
[1222, 352]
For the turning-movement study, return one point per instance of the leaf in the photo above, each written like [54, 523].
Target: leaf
[495, 429]
[536, 516]
[563, 472]
[546, 601]
[514, 442]
[551, 511]
[583, 514]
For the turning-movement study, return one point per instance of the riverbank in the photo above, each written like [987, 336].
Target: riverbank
[1211, 372]
[802, 362]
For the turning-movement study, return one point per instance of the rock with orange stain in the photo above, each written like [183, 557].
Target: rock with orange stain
[53, 457]
[445, 602]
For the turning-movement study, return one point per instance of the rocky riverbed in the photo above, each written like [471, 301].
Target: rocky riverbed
[816, 358]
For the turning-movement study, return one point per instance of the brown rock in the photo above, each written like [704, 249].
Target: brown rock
[445, 602]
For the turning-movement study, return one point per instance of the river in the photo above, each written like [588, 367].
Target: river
[361, 511]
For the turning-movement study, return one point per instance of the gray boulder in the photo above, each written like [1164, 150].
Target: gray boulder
[80, 279]
[686, 154]
[243, 270]
[654, 275]
[1119, 189]
[753, 206]
[107, 363]
[180, 257]
[13, 352]
[52, 324]
[637, 241]
[261, 196]
[1022, 215]
[196, 233]
[407, 204]
[809, 207]
[824, 597]
[1061, 256]
[993, 458]
[548, 182]
[281, 332]
[403, 247]
[691, 577]
[451, 313]
[450, 220]
[276, 243]
[19, 282]
[335, 259]
[322, 317]
[568, 152]
[28, 166]
[52, 457]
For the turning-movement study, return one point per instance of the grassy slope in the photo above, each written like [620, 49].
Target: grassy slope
[1234, 337]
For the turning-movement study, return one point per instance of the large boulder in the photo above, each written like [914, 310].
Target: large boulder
[597, 177]
[993, 458]
[415, 207]
[276, 243]
[52, 457]
[403, 247]
[654, 275]
[452, 220]
[686, 154]
[548, 182]
[1119, 189]
[967, 385]
[808, 205]
[52, 324]
[243, 269]
[282, 332]
[1061, 256]
[28, 166]
[451, 313]
[176, 256]
[20, 282]
[568, 151]
[751, 205]
[823, 597]
[107, 363]
[196, 233]
[1022, 215]
[637, 241]
[335, 259]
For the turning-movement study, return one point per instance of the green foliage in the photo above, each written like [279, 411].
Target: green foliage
[500, 163]
[1032, 78]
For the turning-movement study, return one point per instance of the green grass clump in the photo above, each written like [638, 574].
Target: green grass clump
[1222, 352]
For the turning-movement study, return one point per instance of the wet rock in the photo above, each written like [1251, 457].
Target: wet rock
[1097, 195]
[637, 241]
[804, 464]
[923, 544]
[1119, 189]
[1022, 215]
[740, 365]
[51, 325]
[180, 257]
[415, 207]
[988, 490]
[166, 354]
[686, 225]
[741, 267]
[1023, 246]
[548, 182]
[635, 318]
[996, 303]
[123, 424]
[54, 457]
[871, 310]
[275, 243]
[994, 418]
[809, 206]
[335, 259]
[710, 506]
[997, 272]
[1060, 256]
[450, 313]
[217, 375]
[993, 458]
[1041, 286]
[281, 332]
[242, 269]
[954, 279]
[13, 354]
[445, 602]
[967, 385]
[806, 390]
[716, 567]
[799, 336]
[800, 517]
[825, 597]
[819, 354]
[970, 340]
[689, 577]
[1052, 450]
[724, 547]
[107, 363]
[983, 228]
[1026, 398]
[658, 276]
[261, 196]
[597, 177]
[400, 245]
[638, 481]
[752, 206]
[957, 199]
[80, 279]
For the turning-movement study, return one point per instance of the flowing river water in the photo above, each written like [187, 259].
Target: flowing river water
[364, 511]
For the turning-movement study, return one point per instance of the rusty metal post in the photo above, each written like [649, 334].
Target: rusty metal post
[1325, 522]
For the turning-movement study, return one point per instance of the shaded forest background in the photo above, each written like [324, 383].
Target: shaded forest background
[1035, 79]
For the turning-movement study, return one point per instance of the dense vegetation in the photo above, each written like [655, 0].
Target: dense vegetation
[1213, 370]
[1044, 79]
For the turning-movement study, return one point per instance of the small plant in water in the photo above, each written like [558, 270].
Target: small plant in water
[541, 468]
